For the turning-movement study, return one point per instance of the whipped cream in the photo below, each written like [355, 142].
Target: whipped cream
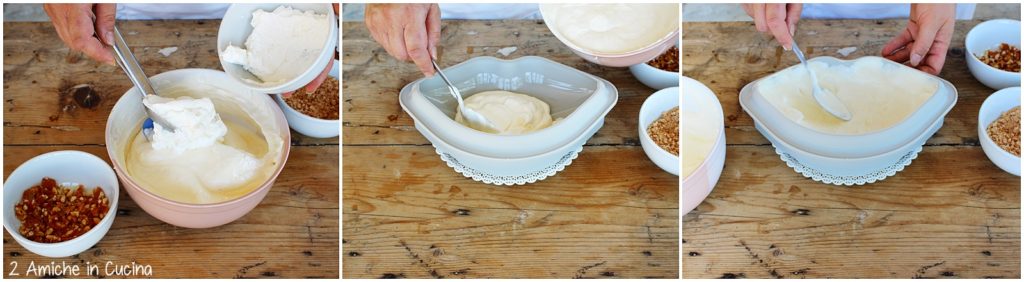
[206, 159]
[878, 93]
[282, 45]
[195, 121]
[509, 112]
[612, 28]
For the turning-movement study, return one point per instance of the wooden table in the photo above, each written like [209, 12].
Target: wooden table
[952, 213]
[292, 233]
[612, 213]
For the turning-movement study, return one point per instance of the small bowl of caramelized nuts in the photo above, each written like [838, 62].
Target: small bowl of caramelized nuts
[60, 203]
[315, 114]
[661, 72]
[999, 129]
[658, 126]
[993, 53]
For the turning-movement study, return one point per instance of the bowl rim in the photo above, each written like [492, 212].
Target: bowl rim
[660, 71]
[643, 127]
[333, 74]
[967, 42]
[671, 35]
[286, 142]
[983, 128]
[558, 150]
[325, 49]
[111, 212]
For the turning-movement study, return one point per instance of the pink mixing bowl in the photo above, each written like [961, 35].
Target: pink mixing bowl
[698, 185]
[127, 115]
[620, 60]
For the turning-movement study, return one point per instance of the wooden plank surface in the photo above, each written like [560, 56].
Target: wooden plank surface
[612, 213]
[951, 213]
[292, 233]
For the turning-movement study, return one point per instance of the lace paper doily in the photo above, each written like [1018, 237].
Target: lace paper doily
[824, 177]
[522, 179]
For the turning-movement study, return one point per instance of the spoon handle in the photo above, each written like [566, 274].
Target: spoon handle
[454, 90]
[126, 59]
[799, 54]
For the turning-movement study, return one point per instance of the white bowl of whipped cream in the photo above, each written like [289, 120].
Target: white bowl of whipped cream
[276, 48]
[546, 111]
[615, 35]
[228, 145]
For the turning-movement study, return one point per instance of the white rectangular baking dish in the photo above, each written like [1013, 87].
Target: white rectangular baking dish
[850, 158]
[581, 101]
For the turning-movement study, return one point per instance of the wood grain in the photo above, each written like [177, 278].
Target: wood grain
[411, 216]
[292, 233]
[952, 213]
[612, 213]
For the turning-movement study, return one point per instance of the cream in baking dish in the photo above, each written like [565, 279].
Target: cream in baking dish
[509, 112]
[878, 94]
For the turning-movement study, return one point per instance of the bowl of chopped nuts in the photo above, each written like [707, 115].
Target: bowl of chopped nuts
[993, 53]
[314, 114]
[661, 72]
[659, 129]
[60, 203]
[999, 129]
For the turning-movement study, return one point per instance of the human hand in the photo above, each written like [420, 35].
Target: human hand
[88, 28]
[407, 31]
[926, 39]
[777, 19]
[313, 85]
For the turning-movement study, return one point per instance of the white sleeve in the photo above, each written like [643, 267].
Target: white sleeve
[141, 11]
[489, 11]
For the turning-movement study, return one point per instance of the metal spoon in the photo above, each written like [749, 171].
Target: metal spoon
[126, 59]
[475, 119]
[827, 100]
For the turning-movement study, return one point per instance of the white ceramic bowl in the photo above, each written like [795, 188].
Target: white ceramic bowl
[67, 167]
[851, 157]
[987, 36]
[580, 99]
[307, 125]
[995, 105]
[235, 28]
[656, 104]
[654, 77]
[698, 185]
[127, 115]
[617, 60]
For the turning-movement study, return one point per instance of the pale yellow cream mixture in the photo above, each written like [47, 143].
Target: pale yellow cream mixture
[509, 112]
[879, 94]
